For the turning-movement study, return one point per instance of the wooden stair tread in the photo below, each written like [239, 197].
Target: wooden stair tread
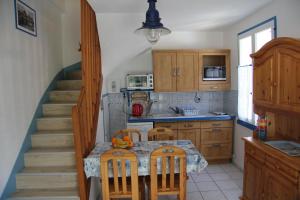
[59, 103]
[51, 150]
[53, 132]
[64, 116]
[44, 193]
[48, 170]
[55, 117]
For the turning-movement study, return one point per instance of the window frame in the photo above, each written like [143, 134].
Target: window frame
[269, 23]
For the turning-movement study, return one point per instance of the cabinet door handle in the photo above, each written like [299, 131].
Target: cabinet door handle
[216, 130]
[173, 72]
[216, 145]
[178, 71]
[188, 125]
[215, 124]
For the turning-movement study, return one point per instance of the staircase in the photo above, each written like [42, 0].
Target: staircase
[50, 169]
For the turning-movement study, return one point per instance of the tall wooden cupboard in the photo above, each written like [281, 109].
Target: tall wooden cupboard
[268, 173]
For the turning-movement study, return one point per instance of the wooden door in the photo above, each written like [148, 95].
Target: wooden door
[187, 71]
[277, 187]
[265, 80]
[189, 134]
[253, 180]
[164, 69]
[289, 79]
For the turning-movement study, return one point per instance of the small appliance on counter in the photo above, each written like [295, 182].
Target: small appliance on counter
[137, 109]
[139, 101]
[139, 81]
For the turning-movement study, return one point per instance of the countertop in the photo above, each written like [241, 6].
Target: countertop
[291, 161]
[174, 117]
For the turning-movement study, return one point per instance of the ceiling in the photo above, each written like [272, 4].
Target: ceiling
[187, 15]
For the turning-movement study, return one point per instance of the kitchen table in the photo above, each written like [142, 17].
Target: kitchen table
[195, 161]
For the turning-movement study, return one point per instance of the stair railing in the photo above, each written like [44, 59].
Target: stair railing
[85, 113]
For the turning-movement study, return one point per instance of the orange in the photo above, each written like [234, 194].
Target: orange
[113, 140]
[130, 144]
[126, 138]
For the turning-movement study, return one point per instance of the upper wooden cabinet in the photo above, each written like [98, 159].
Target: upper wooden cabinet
[214, 70]
[276, 83]
[184, 70]
[187, 70]
[165, 63]
[175, 71]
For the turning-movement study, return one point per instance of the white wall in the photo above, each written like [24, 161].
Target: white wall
[71, 32]
[125, 52]
[288, 16]
[27, 65]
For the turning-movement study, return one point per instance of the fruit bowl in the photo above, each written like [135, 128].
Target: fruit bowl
[123, 143]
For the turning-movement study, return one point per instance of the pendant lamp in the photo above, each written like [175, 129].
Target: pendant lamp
[152, 29]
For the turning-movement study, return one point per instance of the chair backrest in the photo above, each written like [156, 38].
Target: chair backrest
[167, 155]
[130, 132]
[118, 158]
[160, 133]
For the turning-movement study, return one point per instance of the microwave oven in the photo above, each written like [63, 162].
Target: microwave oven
[139, 82]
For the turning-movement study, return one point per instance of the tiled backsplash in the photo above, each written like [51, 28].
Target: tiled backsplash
[115, 105]
[209, 101]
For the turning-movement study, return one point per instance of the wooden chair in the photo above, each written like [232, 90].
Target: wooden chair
[130, 132]
[120, 186]
[160, 133]
[167, 184]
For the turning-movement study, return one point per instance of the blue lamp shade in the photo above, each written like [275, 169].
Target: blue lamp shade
[152, 29]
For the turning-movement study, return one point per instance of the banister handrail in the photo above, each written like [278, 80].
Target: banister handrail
[85, 113]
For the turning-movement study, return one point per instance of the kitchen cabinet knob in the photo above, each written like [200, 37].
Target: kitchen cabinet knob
[216, 124]
[275, 84]
[178, 71]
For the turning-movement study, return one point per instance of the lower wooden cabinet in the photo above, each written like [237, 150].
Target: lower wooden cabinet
[212, 138]
[171, 125]
[216, 151]
[269, 174]
[253, 180]
[190, 134]
[277, 187]
[216, 135]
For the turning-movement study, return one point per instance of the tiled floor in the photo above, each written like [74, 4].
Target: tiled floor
[216, 182]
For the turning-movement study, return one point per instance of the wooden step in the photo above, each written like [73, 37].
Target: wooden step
[75, 75]
[58, 109]
[52, 140]
[47, 178]
[49, 157]
[54, 124]
[46, 194]
[64, 95]
[69, 85]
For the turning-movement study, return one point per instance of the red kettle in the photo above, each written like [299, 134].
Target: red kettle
[137, 110]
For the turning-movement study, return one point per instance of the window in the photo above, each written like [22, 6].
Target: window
[250, 41]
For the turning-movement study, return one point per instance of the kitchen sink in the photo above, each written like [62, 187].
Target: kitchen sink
[288, 147]
[165, 115]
